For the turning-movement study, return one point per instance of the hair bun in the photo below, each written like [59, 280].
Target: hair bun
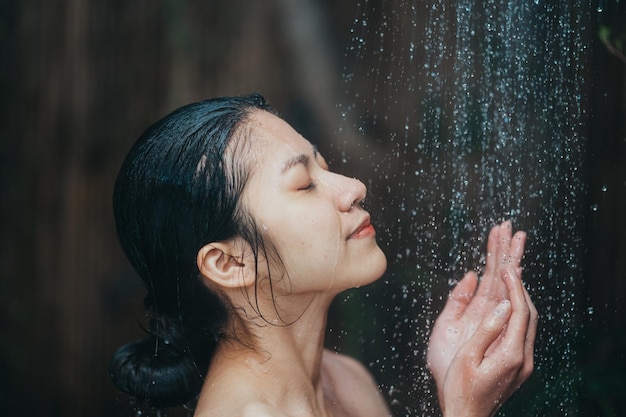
[155, 372]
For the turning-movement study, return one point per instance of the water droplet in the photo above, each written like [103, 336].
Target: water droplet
[469, 152]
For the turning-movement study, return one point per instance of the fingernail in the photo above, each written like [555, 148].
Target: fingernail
[503, 308]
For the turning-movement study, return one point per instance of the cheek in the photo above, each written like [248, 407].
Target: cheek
[310, 243]
[301, 234]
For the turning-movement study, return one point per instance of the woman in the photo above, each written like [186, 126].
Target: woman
[243, 237]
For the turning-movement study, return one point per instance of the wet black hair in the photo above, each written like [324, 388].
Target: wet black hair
[177, 190]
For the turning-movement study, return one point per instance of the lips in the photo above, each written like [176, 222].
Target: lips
[365, 229]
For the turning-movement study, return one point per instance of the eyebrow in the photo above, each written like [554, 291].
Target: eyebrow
[297, 160]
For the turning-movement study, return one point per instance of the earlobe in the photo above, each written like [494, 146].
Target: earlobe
[218, 263]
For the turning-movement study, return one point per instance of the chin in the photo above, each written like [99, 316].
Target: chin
[376, 267]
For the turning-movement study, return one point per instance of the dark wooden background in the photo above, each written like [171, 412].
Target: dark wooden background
[81, 79]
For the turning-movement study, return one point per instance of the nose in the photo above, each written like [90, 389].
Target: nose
[350, 192]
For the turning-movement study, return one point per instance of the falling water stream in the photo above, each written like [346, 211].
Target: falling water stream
[471, 112]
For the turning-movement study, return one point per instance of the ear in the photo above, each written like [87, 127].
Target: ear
[218, 263]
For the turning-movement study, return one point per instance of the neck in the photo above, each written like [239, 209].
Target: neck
[280, 363]
[296, 338]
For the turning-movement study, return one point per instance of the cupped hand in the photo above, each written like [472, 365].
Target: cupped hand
[484, 337]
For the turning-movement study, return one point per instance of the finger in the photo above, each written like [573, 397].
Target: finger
[488, 332]
[516, 252]
[498, 245]
[460, 296]
[519, 322]
[492, 247]
[529, 345]
[504, 243]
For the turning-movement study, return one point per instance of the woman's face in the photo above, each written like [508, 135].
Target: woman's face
[310, 214]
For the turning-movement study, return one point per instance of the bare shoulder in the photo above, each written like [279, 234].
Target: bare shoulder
[351, 384]
[260, 410]
[228, 397]
[250, 409]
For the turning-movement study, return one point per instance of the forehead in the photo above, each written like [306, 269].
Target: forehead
[273, 136]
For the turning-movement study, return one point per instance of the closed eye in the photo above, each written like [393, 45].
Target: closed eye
[309, 187]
